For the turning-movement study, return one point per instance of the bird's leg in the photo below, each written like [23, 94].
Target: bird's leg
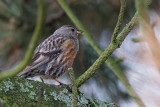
[60, 83]
[42, 80]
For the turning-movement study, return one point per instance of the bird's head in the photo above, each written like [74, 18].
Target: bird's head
[68, 31]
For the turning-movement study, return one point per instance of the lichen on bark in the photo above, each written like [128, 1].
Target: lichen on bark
[19, 92]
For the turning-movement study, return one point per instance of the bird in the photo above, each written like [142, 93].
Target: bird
[55, 55]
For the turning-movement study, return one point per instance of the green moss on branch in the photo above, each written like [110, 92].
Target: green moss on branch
[74, 88]
[120, 19]
[22, 92]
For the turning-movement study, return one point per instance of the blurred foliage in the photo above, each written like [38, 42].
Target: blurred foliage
[17, 22]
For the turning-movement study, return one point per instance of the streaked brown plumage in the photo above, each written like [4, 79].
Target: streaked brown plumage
[55, 54]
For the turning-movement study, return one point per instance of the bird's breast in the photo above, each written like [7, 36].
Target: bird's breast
[69, 53]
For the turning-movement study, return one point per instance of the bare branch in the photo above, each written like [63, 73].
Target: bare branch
[120, 19]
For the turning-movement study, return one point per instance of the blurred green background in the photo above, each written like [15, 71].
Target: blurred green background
[17, 23]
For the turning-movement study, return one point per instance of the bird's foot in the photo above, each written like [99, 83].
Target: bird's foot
[42, 80]
[60, 83]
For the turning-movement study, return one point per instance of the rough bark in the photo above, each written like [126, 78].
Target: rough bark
[17, 92]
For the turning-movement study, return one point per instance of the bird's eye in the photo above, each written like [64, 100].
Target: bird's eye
[73, 30]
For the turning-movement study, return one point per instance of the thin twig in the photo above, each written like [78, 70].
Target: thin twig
[32, 45]
[120, 19]
[74, 88]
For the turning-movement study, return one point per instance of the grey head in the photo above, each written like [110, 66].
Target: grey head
[68, 31]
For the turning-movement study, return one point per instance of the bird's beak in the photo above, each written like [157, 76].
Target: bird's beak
[79, 32]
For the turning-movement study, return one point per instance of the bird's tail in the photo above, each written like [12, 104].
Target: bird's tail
[26, 72]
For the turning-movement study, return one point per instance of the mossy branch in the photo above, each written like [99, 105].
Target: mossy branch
[74, 88]
[120, 19]
[32, 44]
[20, 92]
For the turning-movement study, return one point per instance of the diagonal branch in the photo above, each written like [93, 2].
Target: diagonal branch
[110, 62]
[120, 19]
[32, 45]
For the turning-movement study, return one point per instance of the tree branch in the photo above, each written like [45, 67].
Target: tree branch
[32, 45]
[20, 92]
[120, 19]
[74, 88]
[110, 62]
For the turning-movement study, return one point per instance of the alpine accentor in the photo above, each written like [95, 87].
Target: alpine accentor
[54, 55]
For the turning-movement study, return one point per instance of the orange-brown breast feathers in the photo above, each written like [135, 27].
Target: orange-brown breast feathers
[69, 52]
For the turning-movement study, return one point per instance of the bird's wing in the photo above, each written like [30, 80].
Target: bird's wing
[50, 44]
[47, 50]
[43, 58]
